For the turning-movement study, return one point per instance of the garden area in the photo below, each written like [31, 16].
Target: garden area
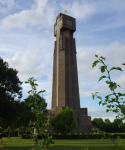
[14, 143]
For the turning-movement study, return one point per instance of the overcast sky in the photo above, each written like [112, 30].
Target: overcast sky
[27, 44]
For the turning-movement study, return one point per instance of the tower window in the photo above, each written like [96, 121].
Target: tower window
[69, 22]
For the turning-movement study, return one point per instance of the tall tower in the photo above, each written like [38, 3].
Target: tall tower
[65, 87]
[65, 79]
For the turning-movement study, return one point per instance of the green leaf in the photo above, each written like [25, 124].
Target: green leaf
[34, 80]
[122, 94]
[123, 109]
[32, 123]
[103, 104]
[101, 78]
[42, 105]
[107, 110]
[36, 84]
[40, 112]
[100, 102]
[95, 63]
[99, 97]
[93, 96]
[113, 100]
[118, 68]
[107, 82]
[30, 104]
[119, 85]
[116, 110]
[41, 91]
[29, 91]
[96, 92]
[26, 82]
[116, 117]
[112, 106]
[112, 86]
[103, 68]
[103, 57]
[32, 83]
[119, 94]
[109, 106]
[107, 97]
[96, 55]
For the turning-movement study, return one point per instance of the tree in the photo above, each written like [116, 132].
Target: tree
[115, 125]
[25, 114]
[99, 123]
[38, 101]
[107, 121]
[14, 112]
[112, 86]
[9, 82]
[9, 85]
[123, 128]
[39, 115]
[64, 122]
[23, 117]
[108, 125]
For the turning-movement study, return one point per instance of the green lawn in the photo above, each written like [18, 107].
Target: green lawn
[94, 144]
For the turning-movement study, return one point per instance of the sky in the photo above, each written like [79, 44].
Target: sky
[27, 44]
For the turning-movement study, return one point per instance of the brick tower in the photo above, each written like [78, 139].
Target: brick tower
[65, 87]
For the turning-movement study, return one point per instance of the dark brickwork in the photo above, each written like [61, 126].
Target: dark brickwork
[65, 87]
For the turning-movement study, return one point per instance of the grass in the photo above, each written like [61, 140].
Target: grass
[14, 143]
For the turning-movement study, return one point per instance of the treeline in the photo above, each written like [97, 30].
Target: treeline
[108, 126]
[15, 113]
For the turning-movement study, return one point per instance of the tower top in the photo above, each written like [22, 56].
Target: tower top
[64, 22]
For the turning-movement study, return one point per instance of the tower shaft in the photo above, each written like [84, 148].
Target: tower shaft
[65, 90]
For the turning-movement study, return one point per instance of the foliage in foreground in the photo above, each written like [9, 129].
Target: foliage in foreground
[112, 86]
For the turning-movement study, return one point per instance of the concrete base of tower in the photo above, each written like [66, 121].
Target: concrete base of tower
[80, 115]
[83, 122]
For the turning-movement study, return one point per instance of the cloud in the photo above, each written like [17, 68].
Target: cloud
[114, 54]
[30, 66]
[76, 8]
[40, 14]
[99, 113]
[6, 5]
[112, 6]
